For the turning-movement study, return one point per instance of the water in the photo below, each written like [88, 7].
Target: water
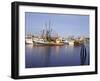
[52, 56]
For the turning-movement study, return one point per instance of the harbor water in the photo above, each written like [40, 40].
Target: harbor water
[54, 56]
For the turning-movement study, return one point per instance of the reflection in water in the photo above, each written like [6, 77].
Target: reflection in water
[47, 56]
[52, 56]
[57, 49]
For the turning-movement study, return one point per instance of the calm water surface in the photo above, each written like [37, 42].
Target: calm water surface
[52, 56]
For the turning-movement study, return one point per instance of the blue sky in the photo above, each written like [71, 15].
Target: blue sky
[63, 24]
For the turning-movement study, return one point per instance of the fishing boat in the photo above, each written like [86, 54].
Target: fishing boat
[28, 40]
[37, 42]
[47, 37]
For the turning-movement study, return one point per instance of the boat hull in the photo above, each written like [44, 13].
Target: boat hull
[28, 41]
[47, 43]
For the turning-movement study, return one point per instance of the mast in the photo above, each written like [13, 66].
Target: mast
[48, 31]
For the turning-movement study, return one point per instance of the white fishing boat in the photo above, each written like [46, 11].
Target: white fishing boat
[47, 37]
[39, 42]
[28, 40]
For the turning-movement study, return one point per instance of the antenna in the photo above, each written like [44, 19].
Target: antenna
[46, 26]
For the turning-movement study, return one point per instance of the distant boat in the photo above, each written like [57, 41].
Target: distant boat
[71, 43]
[28, 40]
